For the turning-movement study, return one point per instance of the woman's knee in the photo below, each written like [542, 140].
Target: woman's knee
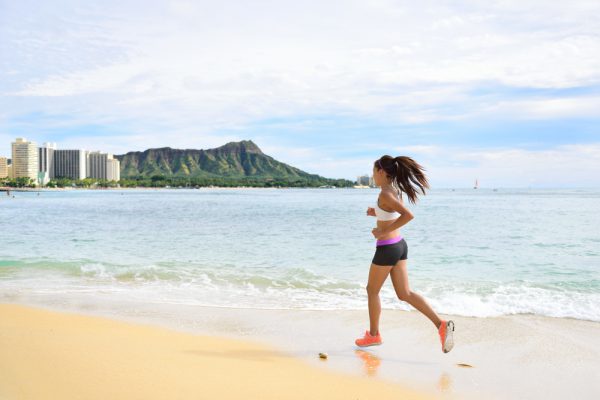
[404, 295]
[371, 290]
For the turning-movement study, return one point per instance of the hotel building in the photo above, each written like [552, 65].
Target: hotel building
[103, 166]
[25, 162]
[113, 169]
[46, 162]
[96, 164]
[363, 180]
[70, 164]
[3, 167]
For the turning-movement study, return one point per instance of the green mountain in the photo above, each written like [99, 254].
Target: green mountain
[233, 161]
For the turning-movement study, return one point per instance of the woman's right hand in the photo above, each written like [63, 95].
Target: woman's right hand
[371, 212]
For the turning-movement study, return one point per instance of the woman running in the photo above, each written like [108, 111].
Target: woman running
[394, 176]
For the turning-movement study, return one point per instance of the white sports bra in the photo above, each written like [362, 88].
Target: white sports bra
[383, 215]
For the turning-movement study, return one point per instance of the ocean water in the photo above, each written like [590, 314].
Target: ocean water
[471, 252]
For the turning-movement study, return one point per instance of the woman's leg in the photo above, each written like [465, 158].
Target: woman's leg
[377, 276]
[399, 277]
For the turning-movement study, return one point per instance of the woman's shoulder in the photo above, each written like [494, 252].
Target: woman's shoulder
[390, 193]
[387, 196]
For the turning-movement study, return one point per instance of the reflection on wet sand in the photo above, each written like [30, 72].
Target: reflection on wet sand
[445, 383]
[371, 363]
[370, 360]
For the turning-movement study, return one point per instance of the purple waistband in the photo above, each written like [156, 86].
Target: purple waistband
[389, 241]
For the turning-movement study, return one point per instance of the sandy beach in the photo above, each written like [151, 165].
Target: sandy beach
[50, 355]
[150, 350]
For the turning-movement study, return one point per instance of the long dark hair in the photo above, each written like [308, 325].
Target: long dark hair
[405, 173]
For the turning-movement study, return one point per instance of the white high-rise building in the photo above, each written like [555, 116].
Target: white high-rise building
[103, 166]
[3, 167]
[25, 159]
[96, 165]
[113, 169]
[70, 164]
[46, 162]
[363, 180]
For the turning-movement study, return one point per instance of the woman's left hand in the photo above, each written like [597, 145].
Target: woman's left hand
[377, 232]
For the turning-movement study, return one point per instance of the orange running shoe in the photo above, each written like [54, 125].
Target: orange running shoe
[369, 340]
[446, 331]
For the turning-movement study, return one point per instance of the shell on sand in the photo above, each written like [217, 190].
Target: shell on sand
[463, 365]
[323, 355]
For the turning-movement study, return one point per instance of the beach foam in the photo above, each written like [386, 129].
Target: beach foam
[288, 289]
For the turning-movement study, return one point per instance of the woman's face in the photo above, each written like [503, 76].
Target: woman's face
[379, 176]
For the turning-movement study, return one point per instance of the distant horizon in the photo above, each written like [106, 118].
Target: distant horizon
[354, 179]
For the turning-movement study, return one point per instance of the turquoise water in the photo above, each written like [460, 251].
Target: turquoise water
[471, 252]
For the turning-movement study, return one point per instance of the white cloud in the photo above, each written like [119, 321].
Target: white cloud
[562, 107]
[198, 62]
[102, 79]
[574, 165]
[560, 166]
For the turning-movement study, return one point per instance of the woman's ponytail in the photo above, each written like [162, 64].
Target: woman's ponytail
[406, 174]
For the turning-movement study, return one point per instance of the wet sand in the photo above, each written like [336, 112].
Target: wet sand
[51, 355]
[505, 357]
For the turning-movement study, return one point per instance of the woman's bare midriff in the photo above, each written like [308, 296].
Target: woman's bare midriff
[390, 235]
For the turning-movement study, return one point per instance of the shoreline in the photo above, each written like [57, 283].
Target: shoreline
[493, 357]
[57, 189]
[459, 189]
[103, 358]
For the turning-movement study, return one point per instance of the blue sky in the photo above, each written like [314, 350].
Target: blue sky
[504, 91]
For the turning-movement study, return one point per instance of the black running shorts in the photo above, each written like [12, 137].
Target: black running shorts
[390, 254]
